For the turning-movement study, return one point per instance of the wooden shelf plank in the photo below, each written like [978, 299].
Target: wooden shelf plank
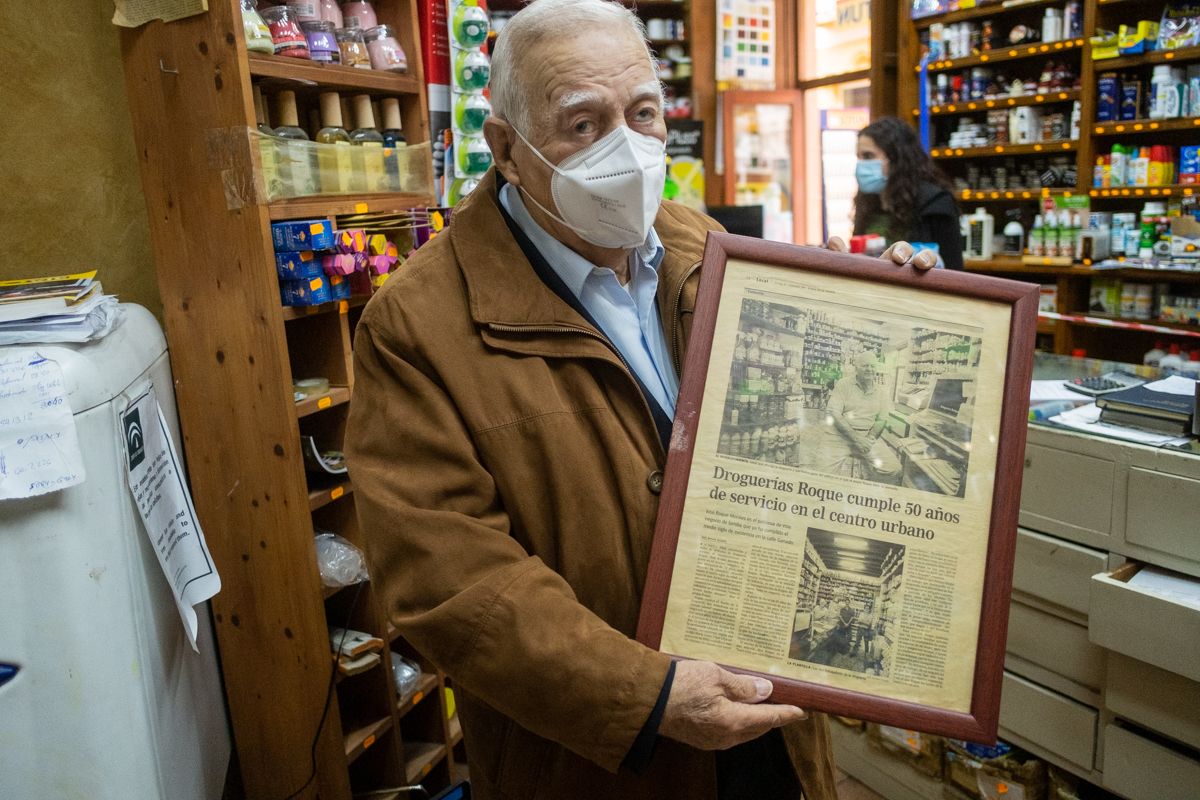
[1047, 327]
[334, 397]
[1012, 195]
[1183, 190]
[1155, 57]
[356, 742]
[331, 76]
[339, 205]
[974, 106]
[425, 684]
[1004, 54]
[989, 10]
[420, 758]
[336, 307]
[1136, 127]
[1041, 148]
[323, 496]
[1016, 266]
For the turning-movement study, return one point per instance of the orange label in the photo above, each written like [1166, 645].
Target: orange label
[343, 306]
[325, 402]
[1002, 788]
[417, 697]
[367, 742]
[425, 770]
[338, 492]
[307, 255]
[316, 227]
[360, 208]
[315, 284]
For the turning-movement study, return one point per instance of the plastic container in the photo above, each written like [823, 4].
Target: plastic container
[386, 53]
[473, 70]
[305, 10]
[470, 26]
[1172, 362]
[331, 12]
[255, 30]
[322, 41]
[359, 14]
[470, 111]
[286, 35]
[1154, 355]
[352, 48]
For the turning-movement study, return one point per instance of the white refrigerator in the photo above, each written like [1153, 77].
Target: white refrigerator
[101, 694]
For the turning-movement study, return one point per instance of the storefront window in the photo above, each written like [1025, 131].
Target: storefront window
[835, 37]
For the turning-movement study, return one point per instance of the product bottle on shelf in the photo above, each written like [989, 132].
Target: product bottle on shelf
[298, 169]
[1117, 171]
[359, 14]
[336, 158]
[1014, 235]
[366, 136]
[1172, 362]
[266, 148]
[393, 139]
[1154, 355]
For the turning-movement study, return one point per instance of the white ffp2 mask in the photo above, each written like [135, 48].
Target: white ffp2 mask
[609, 192]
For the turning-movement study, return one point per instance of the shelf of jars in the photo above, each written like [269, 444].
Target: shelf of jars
[331, 77]
[969, 106]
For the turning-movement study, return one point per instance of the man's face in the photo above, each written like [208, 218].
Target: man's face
[582, 89]
[866, 374]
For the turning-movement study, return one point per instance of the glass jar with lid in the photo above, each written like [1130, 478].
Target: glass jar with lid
[386, 53]
[255, 30]
[353, 48]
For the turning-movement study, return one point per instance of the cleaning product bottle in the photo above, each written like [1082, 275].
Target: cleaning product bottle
[1172, 362]
[1014, 234]
[981, 229]
[1154, 355]
[1037, 237]
[1117, 177]
[1191, 367]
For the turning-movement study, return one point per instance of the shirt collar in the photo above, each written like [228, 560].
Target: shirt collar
[573, 268]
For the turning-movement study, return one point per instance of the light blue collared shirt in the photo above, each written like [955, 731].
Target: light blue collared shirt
[627, 315]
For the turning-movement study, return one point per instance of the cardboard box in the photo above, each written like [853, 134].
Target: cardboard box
[1002, 772]
[923, 751]
[307, 234]
[305, 292]
[296, 265]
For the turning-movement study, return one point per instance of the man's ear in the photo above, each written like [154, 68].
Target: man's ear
[501, 136]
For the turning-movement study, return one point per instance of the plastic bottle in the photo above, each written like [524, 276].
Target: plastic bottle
[1098, 173]
[980, 232]
[1172, 362]
[1052, 25]
[1154, 176]
[1139, 167]
[1014, 238]
[1117, 177]
[1154, 355]
[1037, 237]
[1191, 367]
[1076, 235]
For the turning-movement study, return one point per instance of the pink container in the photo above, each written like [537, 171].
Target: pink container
[305, 10]
[386, 52]
[331, 12]
[360, 14]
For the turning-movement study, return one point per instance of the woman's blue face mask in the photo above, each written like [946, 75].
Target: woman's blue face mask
[870, 177]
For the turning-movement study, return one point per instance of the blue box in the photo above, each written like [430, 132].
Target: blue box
[292, 266]
[339, 287]
[306, 234]
[1108, 98]
[1131, 100]
[305, 292]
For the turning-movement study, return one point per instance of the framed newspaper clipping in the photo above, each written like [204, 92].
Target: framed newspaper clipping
[839, 509]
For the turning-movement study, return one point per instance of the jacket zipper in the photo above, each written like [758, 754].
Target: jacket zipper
[572, 329]
[676, 320]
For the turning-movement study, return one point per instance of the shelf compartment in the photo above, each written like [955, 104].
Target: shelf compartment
[1145, 59]
[455, 726]
[1011, 195]
[1135, 127]
[979, 12]
[323, 496]
[1183, 190]
[321, 206]
[420, 758]
[973, 106]
[331, 76]
[1005, 54]
[336, 307]
[1087, 320]
[357, 741]
[425, 684]
[1041, 148]
[336, 396]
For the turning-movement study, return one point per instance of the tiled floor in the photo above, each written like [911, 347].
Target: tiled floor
[850, 789]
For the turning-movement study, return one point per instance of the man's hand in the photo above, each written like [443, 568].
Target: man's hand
[712, 709]
[900, 253]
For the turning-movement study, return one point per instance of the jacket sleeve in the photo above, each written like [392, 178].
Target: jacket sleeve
[461, 589]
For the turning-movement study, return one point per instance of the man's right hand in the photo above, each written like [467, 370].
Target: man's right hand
[711, 708]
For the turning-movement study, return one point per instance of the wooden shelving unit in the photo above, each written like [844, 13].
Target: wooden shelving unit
[300, 728]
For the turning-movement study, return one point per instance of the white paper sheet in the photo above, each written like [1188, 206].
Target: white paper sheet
[1176, 384]
[1171, 585]
[1044, 391]
[165, 505]
[1087, 418]
[39, 448]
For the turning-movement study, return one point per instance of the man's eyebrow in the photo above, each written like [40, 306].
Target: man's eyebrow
[650, 89]
[572, 100]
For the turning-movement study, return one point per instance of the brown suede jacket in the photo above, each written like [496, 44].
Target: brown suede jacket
[506, 469]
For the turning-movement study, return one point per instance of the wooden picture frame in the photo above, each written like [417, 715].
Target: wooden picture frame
[846, 359]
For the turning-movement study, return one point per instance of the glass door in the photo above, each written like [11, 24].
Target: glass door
[764, 159]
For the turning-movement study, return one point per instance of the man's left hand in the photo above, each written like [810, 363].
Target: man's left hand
[900, 253]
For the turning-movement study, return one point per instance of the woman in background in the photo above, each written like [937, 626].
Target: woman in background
[901, 195]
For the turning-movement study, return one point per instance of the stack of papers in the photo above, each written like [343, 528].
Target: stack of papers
[64, 308]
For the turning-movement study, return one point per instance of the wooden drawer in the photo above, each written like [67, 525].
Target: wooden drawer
[1067, 493]
[1153, 698]
[1049, 720]
[1143, 625]
[1162, 512]
[1141, 769]
[1055, 644]
[1055, 570]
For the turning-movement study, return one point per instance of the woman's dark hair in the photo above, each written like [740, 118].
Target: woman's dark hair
[909, 166]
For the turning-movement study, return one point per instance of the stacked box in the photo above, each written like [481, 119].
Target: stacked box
[994, 773]
[921, 750]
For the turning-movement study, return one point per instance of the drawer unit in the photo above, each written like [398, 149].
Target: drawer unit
[1153, 698]
[1142, 769]
[1157, 505]
[1143, 625]
[1049, 720]
[1068, 493]
[1055, 570]
[1055, 644]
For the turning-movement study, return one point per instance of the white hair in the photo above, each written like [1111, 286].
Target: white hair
[546, 20]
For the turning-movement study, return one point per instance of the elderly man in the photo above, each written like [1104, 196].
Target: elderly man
[514, 389]
[857, 415]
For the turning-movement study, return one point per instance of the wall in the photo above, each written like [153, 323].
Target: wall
[72, 195]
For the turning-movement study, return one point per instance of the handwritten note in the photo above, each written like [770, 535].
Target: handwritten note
[165, 505]
[39, 449]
